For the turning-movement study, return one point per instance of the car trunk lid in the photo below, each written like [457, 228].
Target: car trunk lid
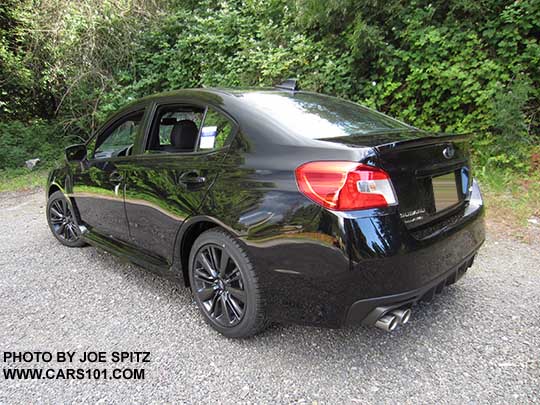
[430, 172]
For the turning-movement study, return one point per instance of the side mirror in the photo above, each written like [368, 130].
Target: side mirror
[76, 153]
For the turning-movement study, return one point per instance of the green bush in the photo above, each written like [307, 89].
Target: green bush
[441, 65]
[22, 141]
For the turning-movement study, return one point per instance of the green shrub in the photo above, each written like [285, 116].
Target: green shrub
[441, 65]
[20, 142]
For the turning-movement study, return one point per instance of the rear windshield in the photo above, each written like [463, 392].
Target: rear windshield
[318, 117]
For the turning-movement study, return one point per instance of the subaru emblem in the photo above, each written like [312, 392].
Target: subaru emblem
[449, 152]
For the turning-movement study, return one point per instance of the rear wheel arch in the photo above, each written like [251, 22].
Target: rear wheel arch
[187, 238]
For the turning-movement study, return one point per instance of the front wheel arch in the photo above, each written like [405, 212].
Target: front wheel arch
[53, 189]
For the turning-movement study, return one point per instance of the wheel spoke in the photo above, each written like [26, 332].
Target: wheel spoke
[224, 261]
[63, 203]
[213, 257]
[61, 228]
[234, 276]
[59, 212]
[237, 310]
[73, 230]
[225, 310]
[207, 265]
[238, 294]
[206, 293]
[69, 232]
[213, 305]
[57, 206]
[65, 233]
[56, 213]
[205, 278]
[203, 270]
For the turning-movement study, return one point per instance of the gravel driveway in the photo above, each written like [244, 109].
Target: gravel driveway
[478, 342]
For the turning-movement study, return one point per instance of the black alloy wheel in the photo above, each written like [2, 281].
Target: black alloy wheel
[219, 285]
[225, 286]
[62, 220]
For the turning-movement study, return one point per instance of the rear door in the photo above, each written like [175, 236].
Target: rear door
[168, 182]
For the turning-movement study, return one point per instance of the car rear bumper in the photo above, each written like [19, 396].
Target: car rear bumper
[368, 311]
[363, 261]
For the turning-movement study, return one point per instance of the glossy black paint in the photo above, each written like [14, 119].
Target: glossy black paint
[314, 264]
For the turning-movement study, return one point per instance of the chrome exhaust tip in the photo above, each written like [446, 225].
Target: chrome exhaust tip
[387, 323]
[403, 315]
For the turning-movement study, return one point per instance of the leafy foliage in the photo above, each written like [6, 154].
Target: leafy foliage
[22, 141]
[442, 65]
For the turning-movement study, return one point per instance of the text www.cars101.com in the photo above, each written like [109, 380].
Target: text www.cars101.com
[74, 374]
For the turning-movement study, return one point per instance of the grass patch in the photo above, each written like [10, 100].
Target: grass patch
[22, 179]
[511, 198]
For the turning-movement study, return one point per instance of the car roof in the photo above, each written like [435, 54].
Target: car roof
[226, 97]
[218, 91]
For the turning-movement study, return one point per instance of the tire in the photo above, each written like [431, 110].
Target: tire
[62, 220]
[226, 288]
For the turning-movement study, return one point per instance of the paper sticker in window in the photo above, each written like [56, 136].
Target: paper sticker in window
[208, 137]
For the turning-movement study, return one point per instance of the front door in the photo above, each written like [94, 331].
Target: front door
[98, 183]
[168, 182]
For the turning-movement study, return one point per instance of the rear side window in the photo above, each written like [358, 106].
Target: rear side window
[317, 116]
[215, 131]
[176, 129]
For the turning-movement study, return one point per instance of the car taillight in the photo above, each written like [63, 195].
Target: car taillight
[345, 186]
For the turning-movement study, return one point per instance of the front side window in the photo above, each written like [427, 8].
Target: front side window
[119, 139]
[215, 131]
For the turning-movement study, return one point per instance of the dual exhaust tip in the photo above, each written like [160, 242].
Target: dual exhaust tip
[393, 319]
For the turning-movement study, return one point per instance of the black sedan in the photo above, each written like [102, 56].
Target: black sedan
[275, 205]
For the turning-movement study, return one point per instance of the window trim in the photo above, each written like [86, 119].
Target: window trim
[198, 141]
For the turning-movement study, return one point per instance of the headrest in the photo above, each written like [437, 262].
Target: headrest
[168, 121]
[184, 135]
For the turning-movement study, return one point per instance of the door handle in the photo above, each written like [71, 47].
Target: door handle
[191, 178]
[115, 177]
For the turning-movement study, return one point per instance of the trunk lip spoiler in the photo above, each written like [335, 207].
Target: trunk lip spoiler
[423, 141]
